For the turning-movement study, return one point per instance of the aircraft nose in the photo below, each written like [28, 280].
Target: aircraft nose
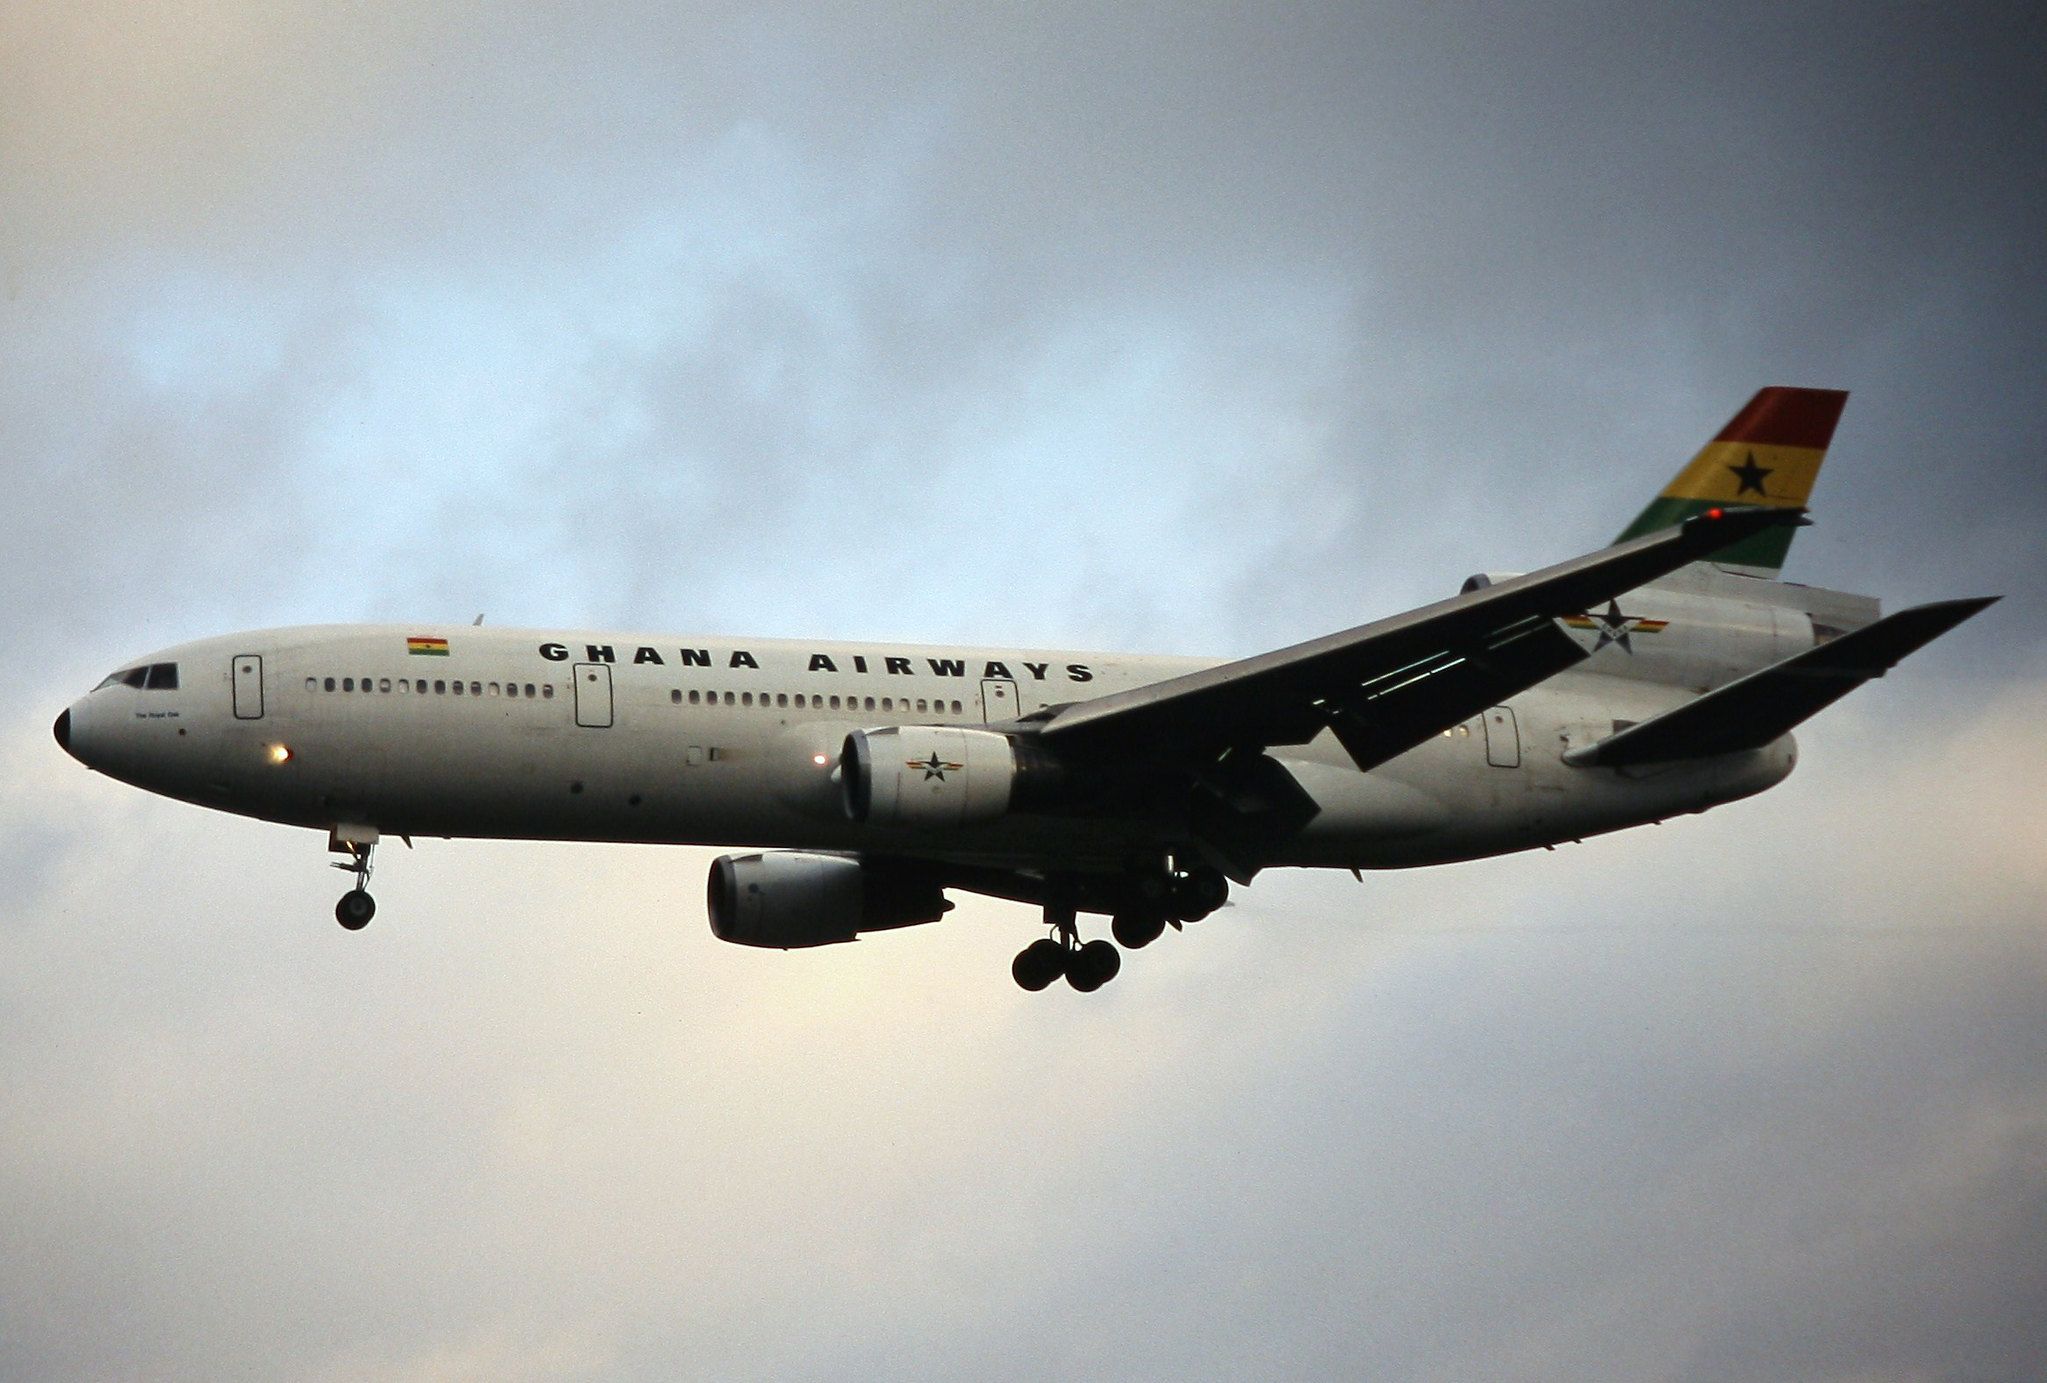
[62, 730]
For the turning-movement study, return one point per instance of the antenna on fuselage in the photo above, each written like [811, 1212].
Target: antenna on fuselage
[478, 623]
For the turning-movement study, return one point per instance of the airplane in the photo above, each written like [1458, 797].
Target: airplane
[1658, 676]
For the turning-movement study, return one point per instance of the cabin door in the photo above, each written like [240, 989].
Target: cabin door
[248, 669]
[1502, 738]
[593, 695]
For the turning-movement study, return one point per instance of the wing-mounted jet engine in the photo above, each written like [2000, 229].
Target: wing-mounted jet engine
[943, 776]
[789, 898]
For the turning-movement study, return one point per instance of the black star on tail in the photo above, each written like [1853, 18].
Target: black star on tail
[1751, 476]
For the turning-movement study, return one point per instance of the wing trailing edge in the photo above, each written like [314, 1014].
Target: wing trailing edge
[1751, 711]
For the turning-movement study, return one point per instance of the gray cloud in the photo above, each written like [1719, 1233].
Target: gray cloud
[1190, 329]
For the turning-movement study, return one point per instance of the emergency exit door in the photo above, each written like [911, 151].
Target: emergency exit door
[998, 701]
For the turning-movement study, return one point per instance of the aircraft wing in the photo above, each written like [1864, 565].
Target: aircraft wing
[1751, 711]
[1387, 686]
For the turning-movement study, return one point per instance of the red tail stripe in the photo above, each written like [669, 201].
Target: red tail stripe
[1779, 417]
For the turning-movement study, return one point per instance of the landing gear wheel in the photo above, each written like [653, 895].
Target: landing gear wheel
[356, 908]
[1198, 892]
[1093, 966]
[1038, 964]
[1136, 930]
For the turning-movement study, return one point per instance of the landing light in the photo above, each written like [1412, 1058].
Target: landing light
[820, 760]
[280, 754]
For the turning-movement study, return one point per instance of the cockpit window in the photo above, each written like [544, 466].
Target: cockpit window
[153, 676]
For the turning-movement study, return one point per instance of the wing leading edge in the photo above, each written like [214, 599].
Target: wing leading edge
[1387, 686]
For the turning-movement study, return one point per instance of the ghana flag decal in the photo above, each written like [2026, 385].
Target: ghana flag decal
[428, 647]
[1769, 454]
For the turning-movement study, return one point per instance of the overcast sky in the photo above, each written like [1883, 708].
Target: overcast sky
[1180, 328]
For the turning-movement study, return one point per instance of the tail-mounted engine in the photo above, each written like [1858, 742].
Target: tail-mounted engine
[940, 776]
[788, 898]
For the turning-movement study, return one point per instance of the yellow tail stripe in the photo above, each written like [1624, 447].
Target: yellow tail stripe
[1748, 473]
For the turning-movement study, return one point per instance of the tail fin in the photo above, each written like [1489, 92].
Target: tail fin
[1768, 454]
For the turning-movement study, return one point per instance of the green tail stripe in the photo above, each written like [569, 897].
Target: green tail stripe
[1765, 549]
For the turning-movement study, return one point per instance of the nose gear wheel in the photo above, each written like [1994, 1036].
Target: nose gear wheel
[356, 907]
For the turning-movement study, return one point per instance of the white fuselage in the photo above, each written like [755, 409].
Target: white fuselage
[625, 737]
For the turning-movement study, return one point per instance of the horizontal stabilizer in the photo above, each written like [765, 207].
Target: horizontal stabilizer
[1750, 712]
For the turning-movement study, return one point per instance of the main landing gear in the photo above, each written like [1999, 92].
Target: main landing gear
[1087, 966]
[356, 907]
[1177, 898]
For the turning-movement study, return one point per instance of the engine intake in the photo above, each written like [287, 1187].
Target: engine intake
[789, 898]
[940, 775]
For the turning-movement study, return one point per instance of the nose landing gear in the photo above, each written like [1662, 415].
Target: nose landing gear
[356, 907]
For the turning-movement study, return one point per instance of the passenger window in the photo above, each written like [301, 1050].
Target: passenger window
[404, 686]
[835, 703]
[457, 686]
[312, 684]
[476, 689]
[440, 688]
[781, 698]
[675, 697]
[383, 684]
[728, 698]
[746, 698]
[920, 705]
[529, 691]
[493, 689]
[547, 691]
[330, 684]
[870, 703]
[348, 684]
[695, 696]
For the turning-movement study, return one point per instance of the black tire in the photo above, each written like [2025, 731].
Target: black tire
[1136, 930]
[1038, 964]
[355, 909]
[1093, 966]
[1199, 892]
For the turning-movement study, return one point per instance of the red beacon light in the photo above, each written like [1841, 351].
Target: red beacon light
[1716, 513]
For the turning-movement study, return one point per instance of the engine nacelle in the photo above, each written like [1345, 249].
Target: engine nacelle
[929, 775]
[787, 898]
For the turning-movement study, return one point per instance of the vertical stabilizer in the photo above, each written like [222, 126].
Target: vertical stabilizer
[1769, 453]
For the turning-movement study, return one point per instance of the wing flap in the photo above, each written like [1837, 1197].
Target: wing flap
[1751, 711]
[1389, 715]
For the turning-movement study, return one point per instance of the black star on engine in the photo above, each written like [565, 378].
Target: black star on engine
[934, 768]
[1751, 476]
